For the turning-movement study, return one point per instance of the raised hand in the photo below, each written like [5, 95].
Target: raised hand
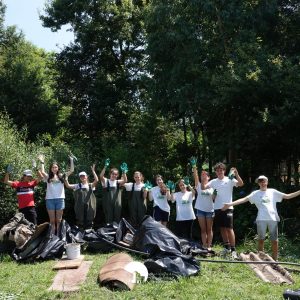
[171, 186]
[41, 158]
[9, 169]
[72, 157]
[193, 161]
[186, 180]
[107, 163]
[124, 168]
[147, 185]
[231, 173]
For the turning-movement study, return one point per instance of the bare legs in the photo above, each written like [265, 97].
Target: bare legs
[55, 217]
[274, 245]
[228, 236]
[206, 225]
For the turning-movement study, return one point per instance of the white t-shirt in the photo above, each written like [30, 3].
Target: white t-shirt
[55, 188]
[112, 183]
[265, 202]
[184, 206]
[224, 189]
[204, 200]
[137, 187]
[78, 186]
[159, 200]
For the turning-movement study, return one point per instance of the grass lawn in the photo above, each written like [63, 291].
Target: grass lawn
[215, 281]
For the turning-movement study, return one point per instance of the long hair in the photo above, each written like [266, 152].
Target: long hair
[51, 174]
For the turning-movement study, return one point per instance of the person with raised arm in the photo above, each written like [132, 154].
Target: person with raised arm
[85, 205]
[204, 208]
[112, 194]
[224, 219]
[25, 192]
[265, 200]
[55, 191]
[160, 195]
[185, 215]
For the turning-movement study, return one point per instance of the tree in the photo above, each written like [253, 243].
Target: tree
[101, 72]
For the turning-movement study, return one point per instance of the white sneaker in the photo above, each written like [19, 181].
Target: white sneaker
[234, 255]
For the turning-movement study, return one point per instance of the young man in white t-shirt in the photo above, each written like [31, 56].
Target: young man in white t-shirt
[265, 200]
[224, 219]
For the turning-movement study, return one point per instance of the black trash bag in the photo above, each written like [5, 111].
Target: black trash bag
[70, 234]
[172, 265]
[125, 232]
[167, 251]
[153, 237]
[42, 245]
[100, 240]
[291, 294]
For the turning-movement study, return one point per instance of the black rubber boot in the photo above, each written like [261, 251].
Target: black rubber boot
[291, 294]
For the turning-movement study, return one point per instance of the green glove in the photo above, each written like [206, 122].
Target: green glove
[107, 163]
[193, 161]
[171, 186]
[231, 174]
[9, 169]
[186, 180]
[124, 168]
[147, 185]
[215, 192]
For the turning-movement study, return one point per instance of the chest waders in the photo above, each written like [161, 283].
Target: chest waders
[112, 203]
[137, 206]
[85, 206]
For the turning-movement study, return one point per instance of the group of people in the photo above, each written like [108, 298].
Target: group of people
[213, 200]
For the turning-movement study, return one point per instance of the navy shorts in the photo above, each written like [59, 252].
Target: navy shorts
[160, 215]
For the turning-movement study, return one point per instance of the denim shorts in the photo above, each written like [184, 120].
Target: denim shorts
[55, 204]
[262, 229]
[204, 214]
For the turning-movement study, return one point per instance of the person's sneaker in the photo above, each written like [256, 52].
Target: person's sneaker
[225, 252]
[234, 254]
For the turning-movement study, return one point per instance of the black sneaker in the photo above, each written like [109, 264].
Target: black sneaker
[291, 295]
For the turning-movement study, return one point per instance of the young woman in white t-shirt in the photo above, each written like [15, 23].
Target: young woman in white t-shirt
[160, 195]
[55, 194]
[204, 208]
[185, 215]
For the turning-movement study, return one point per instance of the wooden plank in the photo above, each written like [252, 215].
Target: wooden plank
[65, 263]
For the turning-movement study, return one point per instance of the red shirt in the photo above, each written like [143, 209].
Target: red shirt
[25, 191]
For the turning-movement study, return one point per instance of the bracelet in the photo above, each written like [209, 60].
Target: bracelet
[42, 163]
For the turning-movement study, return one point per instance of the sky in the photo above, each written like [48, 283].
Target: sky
[25, 15]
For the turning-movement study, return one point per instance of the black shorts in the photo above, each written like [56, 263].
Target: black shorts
[160, 215]
[224, 218]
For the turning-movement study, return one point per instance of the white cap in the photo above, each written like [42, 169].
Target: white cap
[27, 173]
[261, 177]
[82, 174]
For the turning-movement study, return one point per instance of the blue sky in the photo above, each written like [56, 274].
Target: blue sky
[25, 15]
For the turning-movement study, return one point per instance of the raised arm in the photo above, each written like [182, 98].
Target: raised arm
[6, 179]
[196, 176]
[238, 178]
[67, 184]
[291, 195]
[41, 158]
[96, 179]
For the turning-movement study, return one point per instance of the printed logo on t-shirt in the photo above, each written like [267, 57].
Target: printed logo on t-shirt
[265, 199]
[184, 201]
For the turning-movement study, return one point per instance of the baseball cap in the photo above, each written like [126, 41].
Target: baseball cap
[27, 173]
[261, 177]
[82, 174]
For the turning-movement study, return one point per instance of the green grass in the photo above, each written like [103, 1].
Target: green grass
[215, 281]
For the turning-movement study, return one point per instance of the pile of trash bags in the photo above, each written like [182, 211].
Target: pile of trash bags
[165, 254]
